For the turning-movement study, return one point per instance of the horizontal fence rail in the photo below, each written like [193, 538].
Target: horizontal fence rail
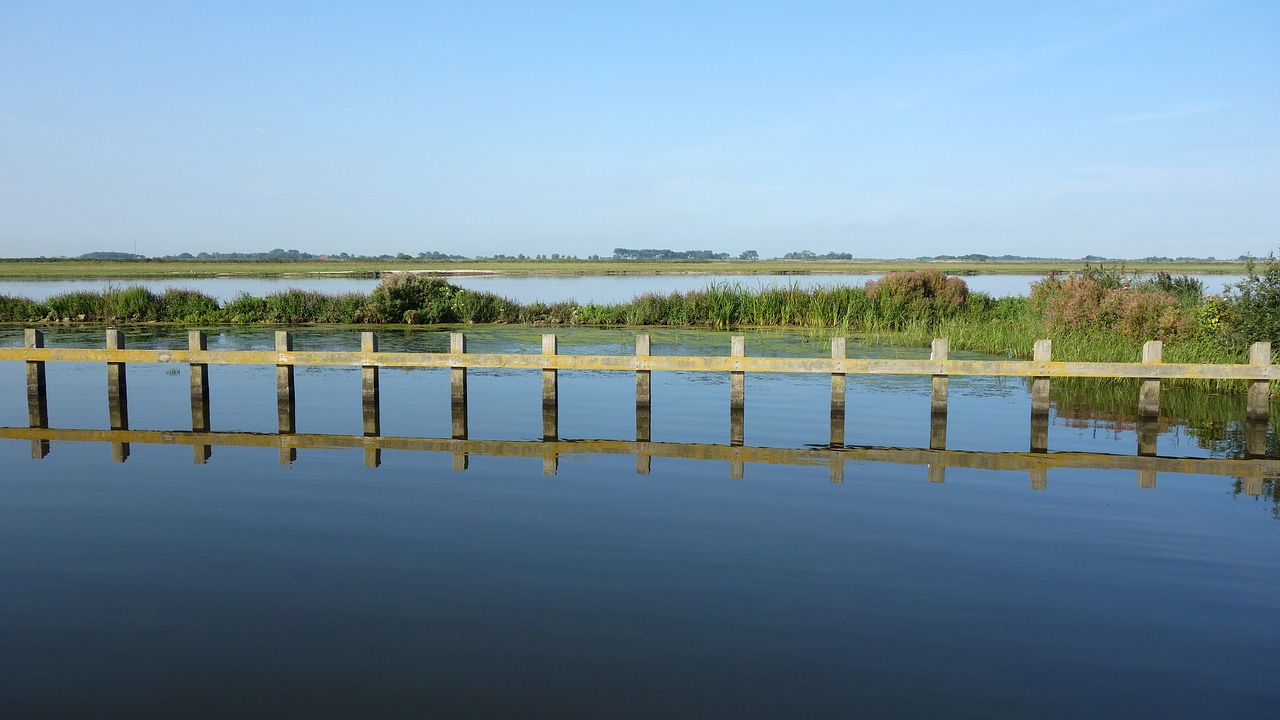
[1258, 372]
[674, 363]
[1037, 464]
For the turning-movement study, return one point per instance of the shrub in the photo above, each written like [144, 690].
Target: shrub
[15, 308]
[132, 303]
[1091, 305]
[413, 299]
[189, 306]
[1253, 304]
[927, 296]
[246, 309]
[79, 306]
[1188, 290]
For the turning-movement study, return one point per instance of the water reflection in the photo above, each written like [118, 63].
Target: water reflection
[737, 455]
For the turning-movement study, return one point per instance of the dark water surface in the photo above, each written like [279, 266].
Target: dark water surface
[322, 588]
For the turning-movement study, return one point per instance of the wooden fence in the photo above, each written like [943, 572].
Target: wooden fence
[1258, 372]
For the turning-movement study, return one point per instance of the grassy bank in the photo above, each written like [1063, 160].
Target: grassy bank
[1096, 316]
[67, 269]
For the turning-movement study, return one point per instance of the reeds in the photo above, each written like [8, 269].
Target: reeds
[901, 309]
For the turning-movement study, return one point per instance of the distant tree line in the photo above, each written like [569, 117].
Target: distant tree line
[664, 254]
[811, 255]
[281, 254]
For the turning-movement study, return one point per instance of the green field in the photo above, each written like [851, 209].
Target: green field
[33, 269]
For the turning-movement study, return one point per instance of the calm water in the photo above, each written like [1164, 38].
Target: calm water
[584, 289]
[322, 588]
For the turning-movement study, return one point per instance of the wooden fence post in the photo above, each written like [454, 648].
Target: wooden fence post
[285, 405]
[37, 390]
[1043, 352]
[550, 392]
[286, 415]
[938, 400]
[643, 397]
[737, 395]
[117, 387]
[458, 387]
[837, 396]
[117, 395]
[938, 396]
[369, 395]
[1149, 392]
[37, 394]
[1259, 406]
[737, 378]
[197, 341]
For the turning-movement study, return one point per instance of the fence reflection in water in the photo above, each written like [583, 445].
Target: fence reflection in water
[1036, 465]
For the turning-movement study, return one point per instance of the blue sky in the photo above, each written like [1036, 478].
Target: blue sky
[1115, 128]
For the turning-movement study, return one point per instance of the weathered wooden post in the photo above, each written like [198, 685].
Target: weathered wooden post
[285, 405]
[1259, 407]
[197, 341]
[737, 378]
[836, 471]
[1146, 479]
[372, 456]
[37, 391]
[1039, 478]
[117, 396]
[550, 394]
[644, 462]
[737, 393]
[369, 396]
[643, 397]
[1258, 411]
[458, 387]
[460, 461]
[937, 473]
[938, 397]
[837, 398]
[117, 387]
[938, 400]
[1149, 391]
[737, 468]
[1149, 406]
[1043, 352]
[550, 461]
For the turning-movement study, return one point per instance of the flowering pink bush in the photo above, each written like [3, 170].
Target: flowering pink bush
[1084, 304]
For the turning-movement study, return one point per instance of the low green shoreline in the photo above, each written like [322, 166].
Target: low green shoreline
[1101, 316]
